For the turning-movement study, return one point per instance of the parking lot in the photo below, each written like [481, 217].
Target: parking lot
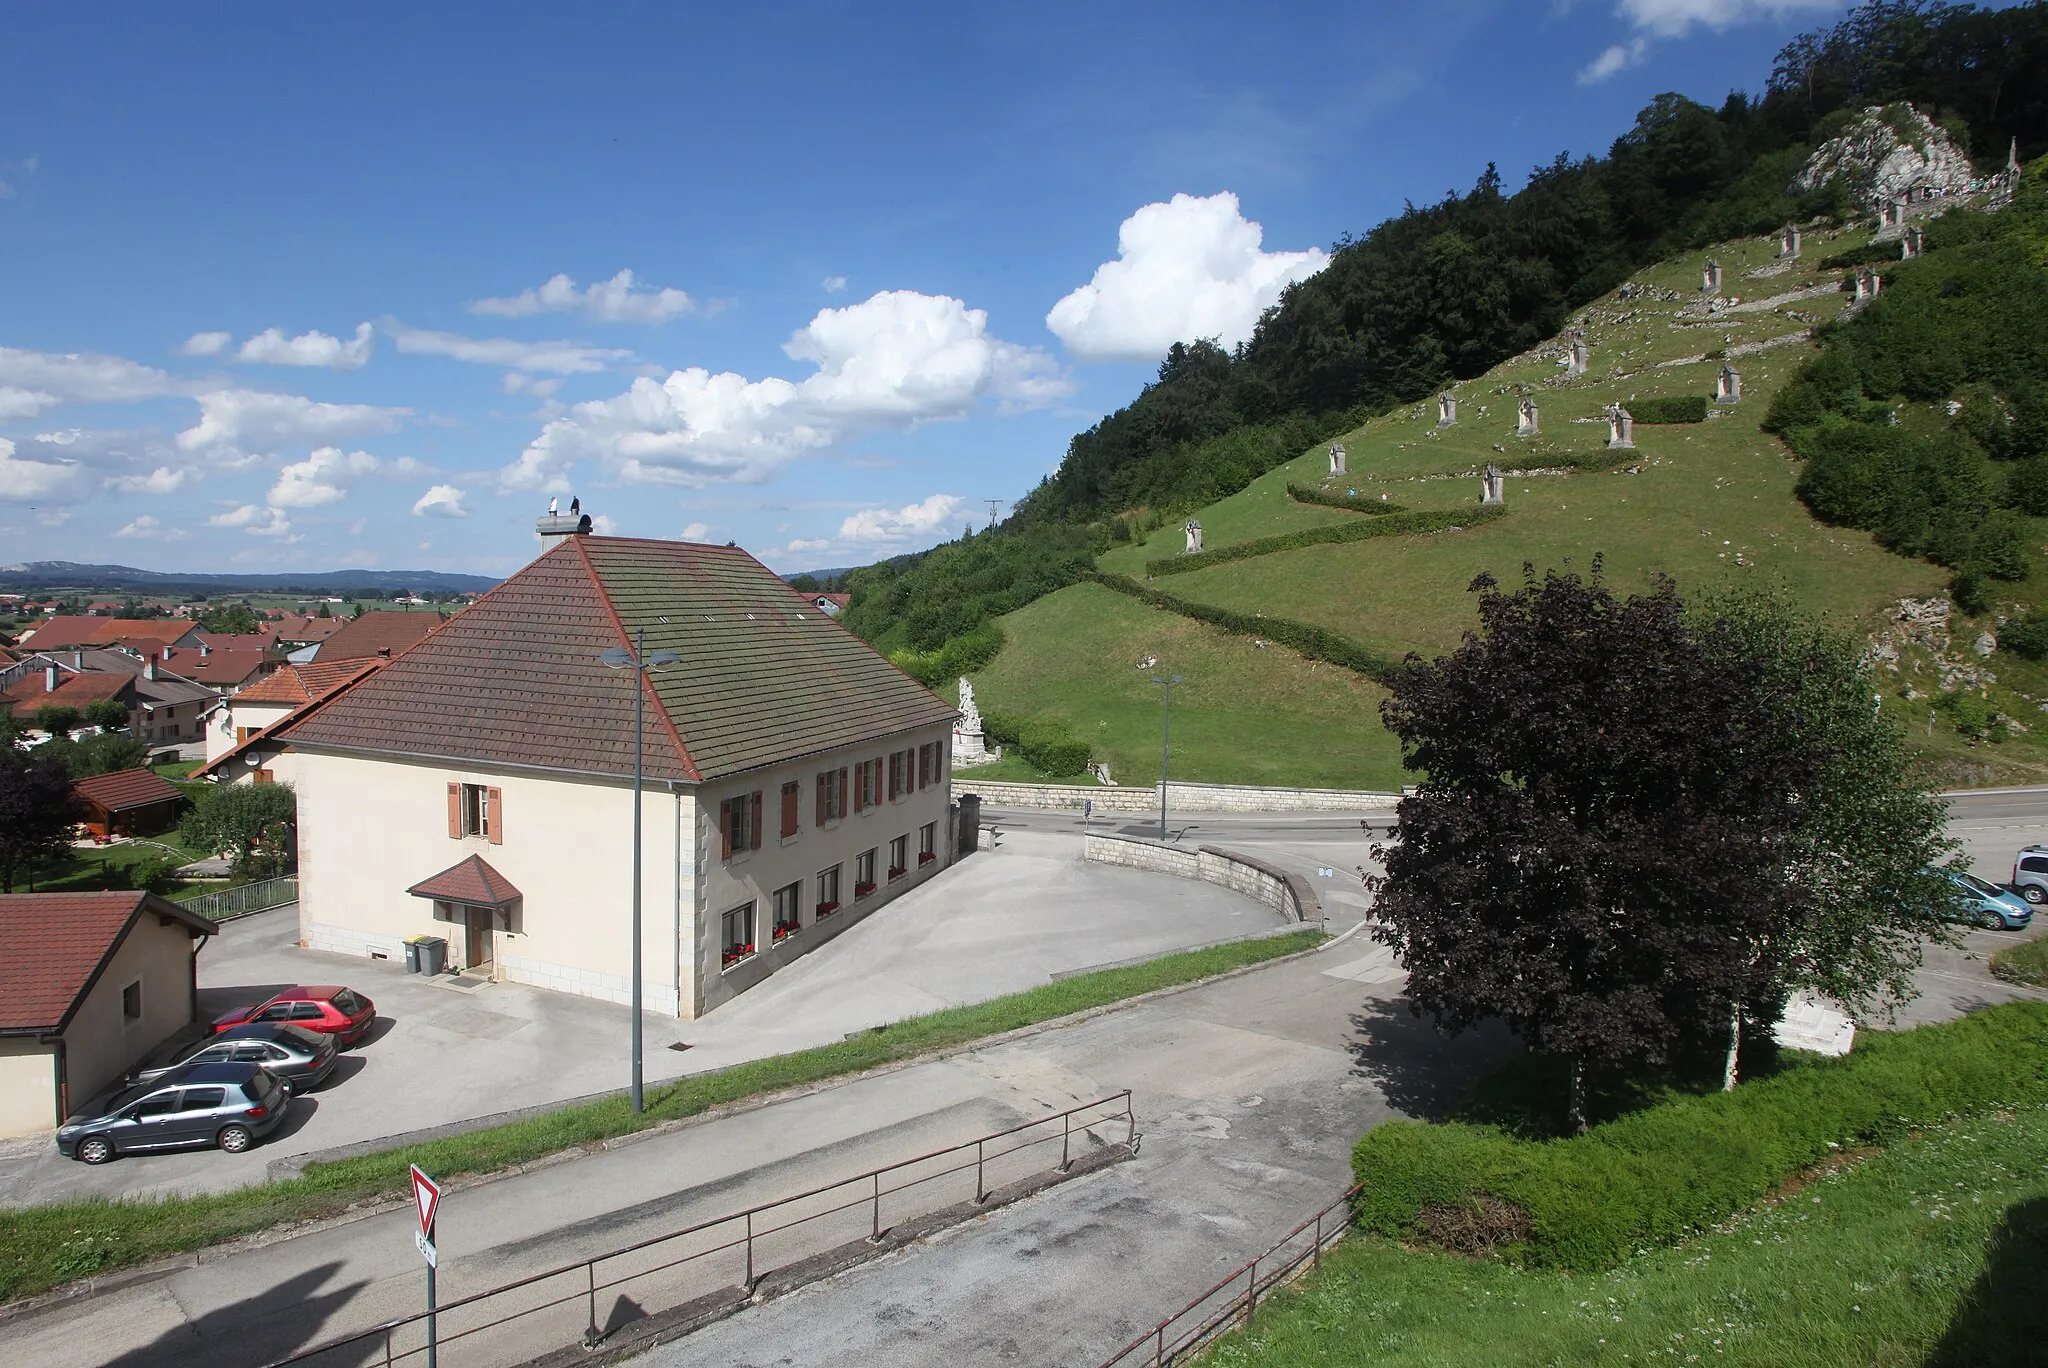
[1002, 921]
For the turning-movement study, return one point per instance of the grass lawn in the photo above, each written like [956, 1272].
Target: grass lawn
[1245, 714]
[1933, 1252]
[44, 1247]
[89, 869]
[177, 769]
[2026, 962]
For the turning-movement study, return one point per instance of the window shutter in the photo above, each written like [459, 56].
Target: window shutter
[455, 812]
[756, 832]
[725, 830]
[823, 789]
[924, 766]
[789, 809]
[494, 816]
[860, 786]
[841, 812]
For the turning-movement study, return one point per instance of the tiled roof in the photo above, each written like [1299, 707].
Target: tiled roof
[219, 668]
[764, 676]
[301, 684]
[324, 683]
[238, 641]
[473, 881]
[125, 789]
[309, 628]
[57, 944]
[374, 632]
[74, 690]
[96, 631]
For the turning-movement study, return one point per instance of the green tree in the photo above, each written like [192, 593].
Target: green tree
[254, 825]
[37, 812]
[323, 612]
[58, 718]
[229, 619]
[102, 754]
[110, 713]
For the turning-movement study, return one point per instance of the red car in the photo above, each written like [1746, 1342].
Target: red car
[340, 1012]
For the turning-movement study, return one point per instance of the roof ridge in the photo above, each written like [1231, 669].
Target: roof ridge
[645, 684]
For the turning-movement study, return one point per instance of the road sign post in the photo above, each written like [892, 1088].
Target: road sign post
[426, 1200]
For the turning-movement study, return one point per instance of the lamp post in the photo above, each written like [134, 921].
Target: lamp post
[1165, 745]
[619, 658]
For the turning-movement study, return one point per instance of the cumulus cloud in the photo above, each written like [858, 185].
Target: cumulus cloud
[237, 421]
[895, 360]
[272, 348]
[317, 480]
[32, 481]
[517, 383]
[834, 284]
[256, 520]
[50, 378]
[162, 480]
[1670, 18]
[148, 528]
[560, 358]
[1190, 268]
[890, 526]
[618, 300]
[697, 532]
[205, 344]
[1618, 57]
[23, 403]
[442, 501]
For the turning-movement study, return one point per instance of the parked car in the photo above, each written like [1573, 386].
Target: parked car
[1986, 904]
[229, 1105]
[329, 1009]
[300, 1057]
[2030, 874]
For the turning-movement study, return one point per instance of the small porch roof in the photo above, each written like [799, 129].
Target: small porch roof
[472, 882]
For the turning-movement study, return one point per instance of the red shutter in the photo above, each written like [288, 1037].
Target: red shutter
[494, 816]
[756, 833]
[455, 812]
[824, 812]
[895, 775]
[725, 830]
[840, 809]
[789, 805]
[860, 786]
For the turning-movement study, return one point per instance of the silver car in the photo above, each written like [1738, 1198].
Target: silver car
[2030, 874]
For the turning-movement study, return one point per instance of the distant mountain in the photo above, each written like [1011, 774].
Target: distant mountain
[53, 576]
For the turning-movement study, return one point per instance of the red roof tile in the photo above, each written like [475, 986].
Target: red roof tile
[98, 631]
[374, 632]
[218, 668]
[57, 945]
[73, 690]
[300, 684]
[125, 789]
[473, 881]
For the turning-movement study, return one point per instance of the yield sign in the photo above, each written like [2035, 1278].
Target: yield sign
[426, 1195]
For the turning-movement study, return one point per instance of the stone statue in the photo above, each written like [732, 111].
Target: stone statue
[970, 716]
[969, 746]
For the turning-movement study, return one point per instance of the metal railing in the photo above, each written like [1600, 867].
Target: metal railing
[507, 1323]
[246, 899]
[1235, 1299]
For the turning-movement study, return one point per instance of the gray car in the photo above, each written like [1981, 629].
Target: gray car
[229, 1105]
[2030, 874]
[300, 1057]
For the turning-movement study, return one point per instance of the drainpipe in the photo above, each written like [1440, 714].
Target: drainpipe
[676, 913]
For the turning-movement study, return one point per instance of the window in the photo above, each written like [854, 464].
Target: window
[308, 1011]
[863, 873]
[788, 921]
[257, 1053]
[927, 844]
[739, 824]
[131, 1002]
[2035, 864]
[159, 1104]
[476, 810]
[828, 891]
[792, 793]
[202, 1099]
[867, 779]
[831, 796]
[276, 1011]
[896, 784]
[737, 933]
[927, 764]
[899, 857]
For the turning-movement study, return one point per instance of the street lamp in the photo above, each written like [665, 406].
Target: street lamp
[1165, 745]
[619, 658]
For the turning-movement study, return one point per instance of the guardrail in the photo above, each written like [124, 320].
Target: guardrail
[1235, 1299]
[684, 1272]
[245, 899]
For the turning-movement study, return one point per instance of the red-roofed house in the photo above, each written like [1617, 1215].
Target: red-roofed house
[52, 686]
[282, 694]
[90, 983]
[99, 631]
[131, 802]
[377, 634]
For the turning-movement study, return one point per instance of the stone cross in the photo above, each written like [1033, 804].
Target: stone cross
[1337, 458]
[1446, 409]
[2012, 160]
[1710, 277]
[1492, 485]
[1868, 283]
[1580, 357]
[1528, 422]
[1912, 243]
[1194, 531]
[1728, 388]
[1788, 242]
[1621, 428]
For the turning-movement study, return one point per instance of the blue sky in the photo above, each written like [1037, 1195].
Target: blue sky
[296, 288]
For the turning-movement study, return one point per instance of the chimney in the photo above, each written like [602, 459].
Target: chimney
[555, 527]
[149, 668]
[204, 650]
[384, 652]
[50, 679]
[78, 660]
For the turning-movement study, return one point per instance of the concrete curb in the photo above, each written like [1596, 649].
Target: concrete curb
[89, 1288]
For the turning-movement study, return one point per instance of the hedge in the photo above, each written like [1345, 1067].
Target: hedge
[1657, 1175]
[1393, 525]
[1310, 495]
[1676, 408]
[1317, 643]
[1044, 741]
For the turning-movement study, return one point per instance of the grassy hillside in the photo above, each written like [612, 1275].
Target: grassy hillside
[1710, 505]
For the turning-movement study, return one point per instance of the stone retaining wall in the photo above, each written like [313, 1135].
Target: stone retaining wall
[1180, 797]
[1290, 895]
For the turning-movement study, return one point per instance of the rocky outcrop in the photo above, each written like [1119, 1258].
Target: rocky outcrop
[1887, 153]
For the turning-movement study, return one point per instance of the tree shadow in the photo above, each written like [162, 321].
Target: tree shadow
[1419, 1070]
[275, 1322]
[2003, 1319]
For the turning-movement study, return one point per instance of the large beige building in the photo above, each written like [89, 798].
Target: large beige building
[479, 786]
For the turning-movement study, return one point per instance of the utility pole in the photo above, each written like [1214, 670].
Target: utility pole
[618, 658]
[1166, 745]
[993, 505]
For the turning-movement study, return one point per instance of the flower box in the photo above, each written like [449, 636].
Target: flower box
[861, 890]
[925, 857]
[736, 954]
[784, 930]
[897, 871]
[827, 909]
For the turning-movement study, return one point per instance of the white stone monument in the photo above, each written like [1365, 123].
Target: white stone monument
[1868, 284]
[1891, 214]
[1528, 421]
[1621, 429]
[970, 747]
[1788, 242]
[1493, 486]
[1580, 357]
[1912, 243]
[1194, 532]
[1446, 409]
[1710, 277]
[1336, 458]
[1728, 386]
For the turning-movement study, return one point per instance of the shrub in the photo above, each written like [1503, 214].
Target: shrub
[58, 718]
[1656, 1175]
[1044, 741]
[1308, 495]
[2026, 636]
[961, 655]
[1393, 525]
[1317, 643]
[1674, 408]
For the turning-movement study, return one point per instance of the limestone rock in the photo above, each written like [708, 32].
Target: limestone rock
[1885, 154]
[1985, 644]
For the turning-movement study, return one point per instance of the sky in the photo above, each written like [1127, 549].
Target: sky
[301, 288]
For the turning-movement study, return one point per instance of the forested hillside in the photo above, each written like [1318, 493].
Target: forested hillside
[1445, 291]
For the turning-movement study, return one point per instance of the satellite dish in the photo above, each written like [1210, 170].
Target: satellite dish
[252, 760]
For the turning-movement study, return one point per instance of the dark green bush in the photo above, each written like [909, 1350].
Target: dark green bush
[1317, 643]
[961, 655]
[1393, 525]
[1656, 1175]
[1330, 499]
[1673, 408]
[1044, 741]
[2026, 636]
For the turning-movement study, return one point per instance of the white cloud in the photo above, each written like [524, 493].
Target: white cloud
[1670, 18]
[78, 377]
[205, 344]
[803, 545]
[236, 421]
[162, 480]
[317, 479]
[442, 501]
[1619, 57]
[697, 532]
[148, 528]
[35, 482]
[604, 524]
[834, 284]
[272, 348]
[21, 403]
[561, 358]
[516, 383]
[1187, 269]
[895, 360]
[618, 300]
[891, 526]
[257, 521]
